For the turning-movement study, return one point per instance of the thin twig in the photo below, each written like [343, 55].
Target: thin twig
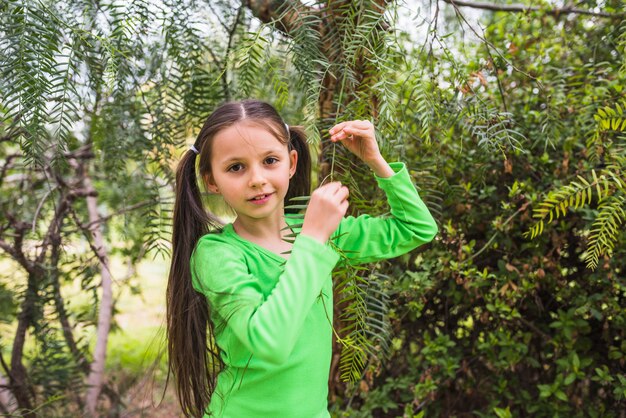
[522, 8]
[7, 165]
[40, 205]
[5, 366]
[533, 327]
[217, 16]
[521, 209]
[229, 46]
[495, 71]
[482, 38]
[117, 213]
[87, 232]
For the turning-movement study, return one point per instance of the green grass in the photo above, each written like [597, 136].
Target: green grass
[137, 352]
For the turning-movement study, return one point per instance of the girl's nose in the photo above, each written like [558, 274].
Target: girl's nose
[257, 177]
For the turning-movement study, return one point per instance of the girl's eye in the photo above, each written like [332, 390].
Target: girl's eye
[271, 160]
[234, 168]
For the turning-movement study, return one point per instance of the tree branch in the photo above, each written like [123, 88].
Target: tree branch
[54, 229]
[95, 379]
[130, 208]
[286, 13]
[15, 250]
[7, 248]
[231, 36]
[489, 44]
[8, 164]
[522, 8]
[40, 205]
[217, 16]
[5, 366]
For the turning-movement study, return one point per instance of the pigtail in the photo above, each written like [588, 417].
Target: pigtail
[192, 362]
[300, 184]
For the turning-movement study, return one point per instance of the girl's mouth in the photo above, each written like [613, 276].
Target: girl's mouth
[261, 199]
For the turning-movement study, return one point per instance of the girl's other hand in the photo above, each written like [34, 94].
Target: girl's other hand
[359, 137]
[325, 210]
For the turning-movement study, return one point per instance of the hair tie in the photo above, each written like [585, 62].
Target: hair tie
[287, 127]
[194, 149]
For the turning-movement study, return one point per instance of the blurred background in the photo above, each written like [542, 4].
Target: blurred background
[510, 117]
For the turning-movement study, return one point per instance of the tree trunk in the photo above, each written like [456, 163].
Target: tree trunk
[96, 376]
[18, 378]
[66, 327]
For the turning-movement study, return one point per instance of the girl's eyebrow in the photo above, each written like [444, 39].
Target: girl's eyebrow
[232, 159]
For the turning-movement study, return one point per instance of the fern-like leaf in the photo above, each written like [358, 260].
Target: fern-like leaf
[607, 184]
[573, 195]
[605, 229]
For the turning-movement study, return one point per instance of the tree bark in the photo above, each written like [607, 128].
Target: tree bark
[275, 10]
[19, 376]
[96, 376]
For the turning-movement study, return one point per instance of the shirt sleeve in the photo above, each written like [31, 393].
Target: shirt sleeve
[267, 327]
[367, 239]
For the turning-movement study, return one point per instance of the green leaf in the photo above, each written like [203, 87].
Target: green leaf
[503, 413]
[560, 395]
[575, 361]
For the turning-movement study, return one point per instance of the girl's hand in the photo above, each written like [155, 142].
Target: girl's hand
[326, 208]
[359, 137]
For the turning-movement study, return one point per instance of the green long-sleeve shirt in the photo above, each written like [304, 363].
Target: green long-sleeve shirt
[276, 345]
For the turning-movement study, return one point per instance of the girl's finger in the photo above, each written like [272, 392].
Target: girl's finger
[338, 127]
[339, 136]
[331, 187]
[348, 133]
[362, 124]
[343, 192]
[357, 131]
[358, 123]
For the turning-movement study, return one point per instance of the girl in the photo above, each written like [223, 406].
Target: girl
[267, 303]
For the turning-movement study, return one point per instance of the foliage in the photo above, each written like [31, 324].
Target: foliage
[94, 98]
[486, 321]
[609, 186]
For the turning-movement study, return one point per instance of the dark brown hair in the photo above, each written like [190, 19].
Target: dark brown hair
[194, 360]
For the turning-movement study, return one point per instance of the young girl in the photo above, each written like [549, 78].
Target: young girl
[267, 303]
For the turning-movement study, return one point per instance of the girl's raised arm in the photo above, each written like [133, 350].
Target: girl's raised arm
[366, 239]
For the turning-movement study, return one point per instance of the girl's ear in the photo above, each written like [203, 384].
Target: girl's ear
[293, 162]
[210, 184]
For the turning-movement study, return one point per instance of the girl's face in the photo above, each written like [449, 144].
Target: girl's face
[251, 169]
